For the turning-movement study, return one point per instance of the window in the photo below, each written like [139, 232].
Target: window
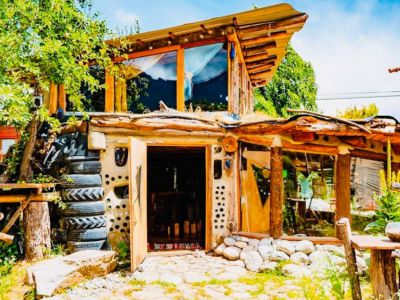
[148, 80]
[92, 100]
[206, 74]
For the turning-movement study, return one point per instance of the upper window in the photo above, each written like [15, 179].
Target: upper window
[206, 74]
[148, 80]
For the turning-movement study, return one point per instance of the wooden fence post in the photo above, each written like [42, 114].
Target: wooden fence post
[344, 234]
[342, 181]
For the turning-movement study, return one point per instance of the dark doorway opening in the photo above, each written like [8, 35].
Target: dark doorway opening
[176, 198]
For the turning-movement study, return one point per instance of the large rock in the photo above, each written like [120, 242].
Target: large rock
[285, 246]
[229, 241]
[253, 261]
[300, 258]
[268, 266]
[266, 242]
[318, 256]
[254, 242]
[61, 272]
[246, 250]
[265, 252]
[240, 244]
[296, 270]
[231, 253]
[304, 246]
[220, 249]
[279, 255]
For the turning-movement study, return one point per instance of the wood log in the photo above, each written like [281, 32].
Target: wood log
[383, 274]
[8, 239]
[37, 230]
[343, 186]
[276, 195]
[344, 234]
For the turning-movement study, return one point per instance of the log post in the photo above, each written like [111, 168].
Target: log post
[276, 195]
[37, 230]
[343, 186]
[383, 274]
[344, 234]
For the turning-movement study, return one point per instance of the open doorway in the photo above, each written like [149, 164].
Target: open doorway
[176, 198]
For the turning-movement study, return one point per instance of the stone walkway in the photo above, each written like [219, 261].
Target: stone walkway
[197, 277]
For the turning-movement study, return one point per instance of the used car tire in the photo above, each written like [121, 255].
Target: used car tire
[88, 222]
[84, 208]
[84, 167]
[80, 180]
[90, 245]
[59, 235]
[83, 235]
[83, 194]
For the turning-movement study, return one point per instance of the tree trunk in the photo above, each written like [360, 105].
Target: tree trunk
[37, 230]
[36, 215]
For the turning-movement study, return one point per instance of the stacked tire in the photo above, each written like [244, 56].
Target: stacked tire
[83, 223]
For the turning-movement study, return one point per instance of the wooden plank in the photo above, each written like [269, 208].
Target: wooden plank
[276, 192]
[109, 99]
[148, 53]
[315, 239]
[180, 80]
[33, 198]
[138, 201]
[263, 68]
[260, 57]
[208, 220]
[53, 103]
[27, 185]
[15, 216]
[344, 234]
[259, 49]
[264, 39]
[280, 24]
[368, 155]
[367, 242]
[355, 141]
[342, 182]
[62, 97]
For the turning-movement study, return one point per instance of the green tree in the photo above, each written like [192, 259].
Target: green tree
[359, 113]
[44, 41]
[293, 86]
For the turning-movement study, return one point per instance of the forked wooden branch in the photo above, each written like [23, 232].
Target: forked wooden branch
[6, 238]
[344, 234]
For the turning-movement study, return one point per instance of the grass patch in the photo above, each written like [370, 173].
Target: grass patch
[260, 279]
[169, 287]
[212, 281]
[12, 283]
[137, 285]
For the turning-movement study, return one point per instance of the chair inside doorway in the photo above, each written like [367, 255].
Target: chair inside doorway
[176, 198]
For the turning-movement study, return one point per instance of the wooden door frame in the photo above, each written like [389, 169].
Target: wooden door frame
[208, 183]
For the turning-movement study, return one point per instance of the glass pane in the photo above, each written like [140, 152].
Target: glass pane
[149, 80]
[6, 143]
[206, 74]
[92, 100]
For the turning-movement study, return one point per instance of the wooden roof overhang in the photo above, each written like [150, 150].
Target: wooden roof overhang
[301, 132]
[262, 35]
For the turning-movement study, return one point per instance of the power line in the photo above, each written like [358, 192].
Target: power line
[359, 97]
[356, 93]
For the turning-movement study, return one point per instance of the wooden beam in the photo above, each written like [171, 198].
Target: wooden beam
[355, 141]
[303, 137]
[53, 103]
[263, 39]
[342, 182]
[259, 57]
[260, 75]
[261, 62]
[280, 25]
[180, 80]
[109, 99]
[15, 216]
[62, 97]
[368, 155]
[276, 194]
[261, 69]
[259, 49]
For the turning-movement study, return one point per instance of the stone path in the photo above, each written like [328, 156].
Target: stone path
[198, 277]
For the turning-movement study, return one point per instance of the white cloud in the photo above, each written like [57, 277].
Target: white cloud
[125, 18]
[351, 51]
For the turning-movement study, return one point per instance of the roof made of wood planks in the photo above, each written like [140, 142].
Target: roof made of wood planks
[262, 33]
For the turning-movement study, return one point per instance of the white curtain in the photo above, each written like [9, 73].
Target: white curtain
[196, 60]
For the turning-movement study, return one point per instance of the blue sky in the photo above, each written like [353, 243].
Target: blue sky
[351, 44]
